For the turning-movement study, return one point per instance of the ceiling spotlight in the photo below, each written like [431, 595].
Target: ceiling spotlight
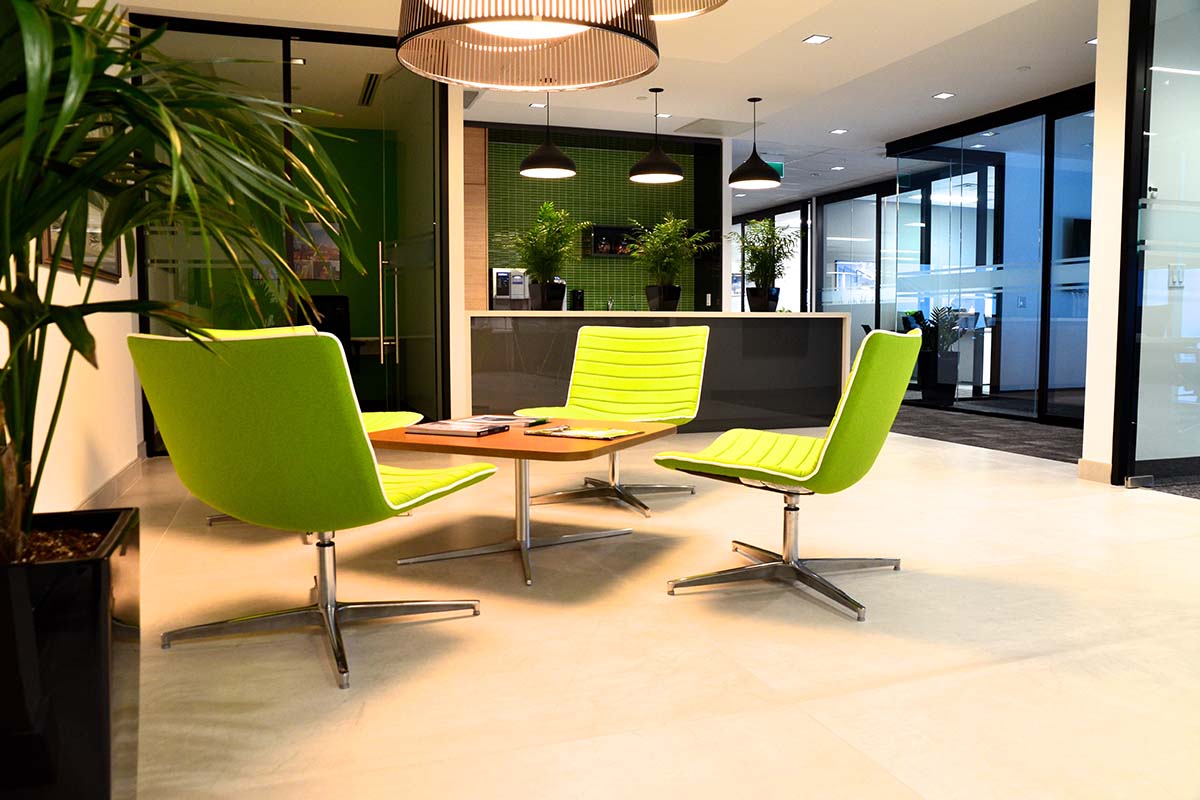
[534, 45]
[1094, 42]
[656, 166]
[988, 133]
[299, 62]
[839, 131]
[754, 173]
[943, 95]
[662, 116]
[740, 194]
[978, 146]
[671, 10]
[537, 105]
[837, 169]
[548, 162]
[817, 38]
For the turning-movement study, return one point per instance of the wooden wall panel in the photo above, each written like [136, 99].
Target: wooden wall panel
[476, 223]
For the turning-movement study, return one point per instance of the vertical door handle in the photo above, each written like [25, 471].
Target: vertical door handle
[381, 349]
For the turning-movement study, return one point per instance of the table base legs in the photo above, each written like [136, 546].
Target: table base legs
[523, 542]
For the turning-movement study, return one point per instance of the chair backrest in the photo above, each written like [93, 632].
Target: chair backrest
[881, 373]
[640, 374]
[266, 429]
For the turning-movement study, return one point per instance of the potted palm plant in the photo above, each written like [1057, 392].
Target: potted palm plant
[765, 251]
[664, 251]
[96, 118]
[937, 363]
[542, 249]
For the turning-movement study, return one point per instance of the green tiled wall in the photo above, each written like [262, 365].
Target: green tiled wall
[601, 193]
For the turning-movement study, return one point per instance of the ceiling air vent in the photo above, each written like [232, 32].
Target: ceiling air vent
[369, 87]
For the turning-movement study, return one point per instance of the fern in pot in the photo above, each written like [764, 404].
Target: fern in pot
[96, 118]
[542, 249]
[766, 249]
[664, 251]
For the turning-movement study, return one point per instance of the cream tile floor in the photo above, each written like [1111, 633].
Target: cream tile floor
[1042, 641]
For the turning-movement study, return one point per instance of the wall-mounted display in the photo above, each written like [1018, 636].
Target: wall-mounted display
[324, 262]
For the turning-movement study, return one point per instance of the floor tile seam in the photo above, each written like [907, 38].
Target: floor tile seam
[148, 557]
[862, 753]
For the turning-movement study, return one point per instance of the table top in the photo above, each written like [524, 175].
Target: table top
[513, 443]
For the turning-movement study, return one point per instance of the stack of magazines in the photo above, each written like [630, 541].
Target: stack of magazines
[481, 425]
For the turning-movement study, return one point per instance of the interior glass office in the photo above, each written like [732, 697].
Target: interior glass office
[1165, 294]
[385, 134]
[794, 284]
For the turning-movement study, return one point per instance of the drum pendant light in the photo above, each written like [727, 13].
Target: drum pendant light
[548, 162]
[754, 173]
[656, 166]
[671, 10]
[528, 45]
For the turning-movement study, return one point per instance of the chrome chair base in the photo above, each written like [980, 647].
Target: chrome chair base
[789, 567]
[613, 489]
[326, 611]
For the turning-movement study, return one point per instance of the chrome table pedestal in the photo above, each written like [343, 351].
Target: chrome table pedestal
[613, 489]
[523, 542]
[326, 611]
[789, 566]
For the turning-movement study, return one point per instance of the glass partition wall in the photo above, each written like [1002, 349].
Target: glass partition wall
[385, 129]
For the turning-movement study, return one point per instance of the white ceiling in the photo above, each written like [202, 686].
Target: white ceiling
[874, 78]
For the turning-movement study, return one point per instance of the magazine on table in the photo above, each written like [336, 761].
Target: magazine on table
[512, 420]
[567, 432]
[456, 427]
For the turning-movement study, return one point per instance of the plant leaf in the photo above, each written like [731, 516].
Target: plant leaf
[70, 321]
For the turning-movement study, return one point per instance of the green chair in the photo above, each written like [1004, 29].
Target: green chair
[630, 375]
[802, 465]
[267, 430]
[372, 420]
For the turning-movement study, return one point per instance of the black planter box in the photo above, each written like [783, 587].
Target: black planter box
[69, 666]
[937, 374]
[762, 299]
[663, 298]
[547, 296]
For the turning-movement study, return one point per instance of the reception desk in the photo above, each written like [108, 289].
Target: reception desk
[763, 370]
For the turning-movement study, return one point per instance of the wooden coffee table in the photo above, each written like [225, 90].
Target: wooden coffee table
[522, 449]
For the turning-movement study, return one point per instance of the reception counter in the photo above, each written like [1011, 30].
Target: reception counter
[763, 370]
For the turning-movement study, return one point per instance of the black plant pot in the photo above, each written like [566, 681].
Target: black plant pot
[547, 296]
[762, 299]
[937, 374]
[663, 298]
[69, 665]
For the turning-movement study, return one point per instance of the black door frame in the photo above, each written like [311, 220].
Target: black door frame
[285, 35]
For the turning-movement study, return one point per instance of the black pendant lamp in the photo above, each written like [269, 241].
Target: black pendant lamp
[656, 166]
[548, 162]
[754, 173]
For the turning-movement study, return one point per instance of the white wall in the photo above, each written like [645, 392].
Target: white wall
[1103, 291]
[100, 426]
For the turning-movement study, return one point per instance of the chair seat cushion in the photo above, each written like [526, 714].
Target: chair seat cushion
[409, 488]
[389, 420]
[777, 458]
[576, 412]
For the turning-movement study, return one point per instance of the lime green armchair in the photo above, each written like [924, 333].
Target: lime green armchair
[803, 465]
[372, 420]
[267, 430]
[630, 375]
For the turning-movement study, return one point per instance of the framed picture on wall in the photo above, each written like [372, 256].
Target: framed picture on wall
[324, 262]
[109, 269]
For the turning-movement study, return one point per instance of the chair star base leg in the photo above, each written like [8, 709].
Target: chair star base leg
[325, 612]
[804, 571]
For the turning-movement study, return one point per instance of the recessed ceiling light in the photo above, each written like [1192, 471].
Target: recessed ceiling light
[299, 62]
[740, 194]
[914, 224]
[978, 146]
[1176, 71]
[943, 95]
[1094, 42]
[817, 38]
[839, 131]
[537, 105]
[837, 169]
[663, 116]
[988, 133]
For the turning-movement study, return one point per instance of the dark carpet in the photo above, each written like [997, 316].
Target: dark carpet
[995, 433]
